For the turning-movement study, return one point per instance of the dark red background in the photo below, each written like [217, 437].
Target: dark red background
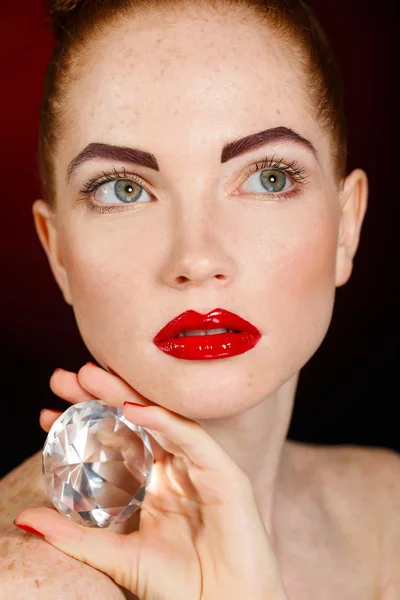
[348, 391]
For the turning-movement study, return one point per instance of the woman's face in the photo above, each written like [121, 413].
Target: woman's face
[201, 232]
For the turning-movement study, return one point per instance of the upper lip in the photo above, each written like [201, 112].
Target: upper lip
[214, 319]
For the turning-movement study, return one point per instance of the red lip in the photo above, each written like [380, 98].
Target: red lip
[207, 347]
[193, 320]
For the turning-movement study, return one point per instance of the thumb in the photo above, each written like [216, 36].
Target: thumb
[102, 549]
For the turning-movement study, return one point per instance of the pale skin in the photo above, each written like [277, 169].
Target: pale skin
[181, 92]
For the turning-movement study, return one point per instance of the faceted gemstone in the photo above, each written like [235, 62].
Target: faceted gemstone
[96, 464]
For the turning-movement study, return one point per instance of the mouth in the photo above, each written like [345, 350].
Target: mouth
[201, 332]
[219, 334]
[216, 322]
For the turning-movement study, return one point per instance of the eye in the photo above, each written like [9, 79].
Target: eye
[124, 190]
[268, 180]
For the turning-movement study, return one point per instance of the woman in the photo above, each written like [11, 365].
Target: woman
[221, 124]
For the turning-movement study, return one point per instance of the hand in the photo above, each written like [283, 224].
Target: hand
[201, 535]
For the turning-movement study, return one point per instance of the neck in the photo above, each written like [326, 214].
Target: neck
[256, 440]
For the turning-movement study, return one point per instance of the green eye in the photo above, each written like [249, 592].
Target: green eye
[273, 180]
[127, 191]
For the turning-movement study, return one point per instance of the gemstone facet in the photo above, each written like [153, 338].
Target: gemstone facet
[96, 464]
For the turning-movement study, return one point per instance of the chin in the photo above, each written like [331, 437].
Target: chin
[215, 389]
[205, 389]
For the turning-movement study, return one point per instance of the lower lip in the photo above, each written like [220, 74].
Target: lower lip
[209, 347]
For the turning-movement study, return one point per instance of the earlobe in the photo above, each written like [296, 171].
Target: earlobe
[44, 219]
[353, 206]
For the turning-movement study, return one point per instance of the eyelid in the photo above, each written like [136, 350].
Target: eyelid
[295, 172]
[107, 177]
[293, 169]
[104, 176]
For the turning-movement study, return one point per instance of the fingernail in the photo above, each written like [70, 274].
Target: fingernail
[91, 363]
[55, 370]
[28, 528]
[133, 404]
[53, 410]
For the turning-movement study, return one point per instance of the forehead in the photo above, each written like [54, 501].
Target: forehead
[194, 80]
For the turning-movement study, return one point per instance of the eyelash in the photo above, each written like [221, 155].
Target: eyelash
[293, 170]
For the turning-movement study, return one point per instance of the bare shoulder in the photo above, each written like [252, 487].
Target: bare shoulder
[384, 484]
[367, 474]
[360, 488]
[29, 566]
[354, 465]
[346, 501]
[379, 470]
[353, 479]
[23, 486]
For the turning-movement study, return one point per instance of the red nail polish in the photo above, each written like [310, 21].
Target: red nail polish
[28, 529]
[91, 363]
[133, 404]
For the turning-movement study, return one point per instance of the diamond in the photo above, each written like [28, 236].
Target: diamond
[96, 464]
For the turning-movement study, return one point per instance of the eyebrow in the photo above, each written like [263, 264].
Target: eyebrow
[268, 136]
[230, 150]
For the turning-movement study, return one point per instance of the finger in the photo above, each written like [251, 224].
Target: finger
[47, 418]
[213, 470]
[188, 438]
[66, 385]
[114, 390]
[107, 386]
[94, 383]
[102, 549]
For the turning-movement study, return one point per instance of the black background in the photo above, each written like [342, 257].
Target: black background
[348, 391]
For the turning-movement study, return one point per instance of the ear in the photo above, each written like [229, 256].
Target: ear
[353, 203]
[44, 218]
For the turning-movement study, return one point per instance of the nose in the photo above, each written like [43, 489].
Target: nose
[199, 254]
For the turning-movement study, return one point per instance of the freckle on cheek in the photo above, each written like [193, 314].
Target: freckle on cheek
[4, 548]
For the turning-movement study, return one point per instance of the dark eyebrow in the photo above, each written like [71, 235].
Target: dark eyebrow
[97, 150]
[229, 151]
[255, 140]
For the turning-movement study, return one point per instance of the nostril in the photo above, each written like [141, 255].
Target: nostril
[182, 279]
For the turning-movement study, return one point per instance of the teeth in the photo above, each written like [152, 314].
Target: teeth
[204, 332]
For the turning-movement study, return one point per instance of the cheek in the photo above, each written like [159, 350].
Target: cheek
[306, 267]
[298, 278]
[285, 274]
[109, 289]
